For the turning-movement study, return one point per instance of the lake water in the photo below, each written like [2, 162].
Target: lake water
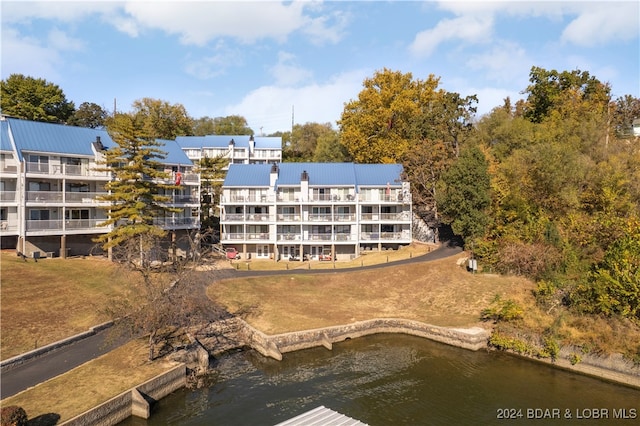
[397, 380]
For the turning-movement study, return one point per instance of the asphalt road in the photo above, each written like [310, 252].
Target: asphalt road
[59, 361]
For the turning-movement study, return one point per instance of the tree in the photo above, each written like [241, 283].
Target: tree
[136, 200]
[613, 286]
[550, 90]
[377, 127]
[464, 195]
[34, 99]
[89, 115]
[437, 131]
[304, 140]
[229, 125]
[161, 120]
[625, 110]
[135, 192]
[212, 173]
[330, 150]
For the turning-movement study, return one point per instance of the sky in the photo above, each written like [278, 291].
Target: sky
[283, 63]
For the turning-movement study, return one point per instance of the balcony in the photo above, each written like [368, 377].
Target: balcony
[257, 217]
[44, 196]
[289, 217]
[320, 217]
[320, 237]
[8, 196]
[177, 222]
[289, 237]
[84, 197]
[386, 236]
[66, 225]
[65, 170]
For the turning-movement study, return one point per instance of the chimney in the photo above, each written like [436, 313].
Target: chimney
[304, 186]
[252, 144]
[273, 176]
[97, 145]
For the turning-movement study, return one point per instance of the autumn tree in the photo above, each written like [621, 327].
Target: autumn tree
[161, 120]
[34, 99]
[89, 115]
[625, 110]
[377, 127]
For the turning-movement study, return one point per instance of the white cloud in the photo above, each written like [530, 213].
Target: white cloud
[467, 28]
[210, 66]
[63, 11]
[287, 72]
[502, 63]
[59, 40]
[200, 22]
[270, 108]
[600, 23]
[28, 56]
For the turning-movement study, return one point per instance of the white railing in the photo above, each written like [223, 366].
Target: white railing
[289, 217]
[320, 237]
[382, 236]
[289, 237]
[257, 217]
[65, 169]
[44, 196]
[84, 197]
[9, 196]
[326, 217]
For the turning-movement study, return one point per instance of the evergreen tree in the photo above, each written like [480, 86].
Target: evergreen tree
[135, 192]
[34, 99]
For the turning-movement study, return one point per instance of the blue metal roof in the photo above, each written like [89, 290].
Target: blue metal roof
[174, 153]
[320, 174]
[35, 136]
[5, 143]
[222, 141]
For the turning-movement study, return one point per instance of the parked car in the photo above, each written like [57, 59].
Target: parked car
[232, 253]
[326, 255]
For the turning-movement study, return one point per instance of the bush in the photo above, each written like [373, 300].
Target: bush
[13, 416]
[502, 310]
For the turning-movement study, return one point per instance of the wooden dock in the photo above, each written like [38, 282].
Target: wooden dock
[321, 416]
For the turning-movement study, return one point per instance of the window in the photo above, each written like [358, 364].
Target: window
[262, 251]
[39, 186]
[38, 214]
[39, 163]
[76, 214]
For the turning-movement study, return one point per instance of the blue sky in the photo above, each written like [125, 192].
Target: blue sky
[277, 62]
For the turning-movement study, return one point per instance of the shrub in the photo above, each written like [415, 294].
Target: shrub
[502, 310]
[13, 416]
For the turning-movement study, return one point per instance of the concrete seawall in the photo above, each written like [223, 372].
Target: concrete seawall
[137, 401]
[274, 346]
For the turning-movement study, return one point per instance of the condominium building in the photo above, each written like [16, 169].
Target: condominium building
[51, 185]
[322, 211]
[238, 149]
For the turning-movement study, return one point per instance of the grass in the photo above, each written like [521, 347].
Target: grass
[90, 384]
[49, 300]
[439, 293]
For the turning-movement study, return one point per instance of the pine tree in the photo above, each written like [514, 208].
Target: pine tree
[136, 192]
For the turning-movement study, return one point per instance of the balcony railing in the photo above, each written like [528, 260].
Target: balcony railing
[66, 224]
[326, 217]
[289, 237]
[8, 196]
[320, 237]
[382, 236]
[44, 196]
[177, 222]
[84, 197]
[65, 169]
[289, 217]
[257, 217]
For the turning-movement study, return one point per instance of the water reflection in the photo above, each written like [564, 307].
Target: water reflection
[393, 380]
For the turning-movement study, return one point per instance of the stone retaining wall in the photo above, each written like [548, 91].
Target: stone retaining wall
[136, 401]
[274, 346]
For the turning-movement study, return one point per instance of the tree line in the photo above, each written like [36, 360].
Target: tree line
[546, 186]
